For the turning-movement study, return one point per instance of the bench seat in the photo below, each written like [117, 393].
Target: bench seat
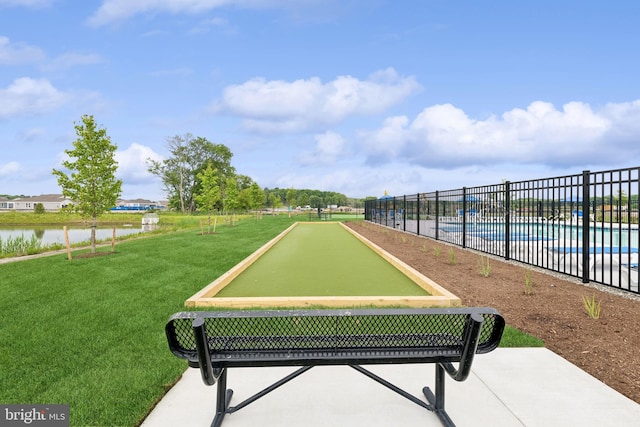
[216, 340]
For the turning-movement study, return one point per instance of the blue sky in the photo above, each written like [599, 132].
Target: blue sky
[354, 96]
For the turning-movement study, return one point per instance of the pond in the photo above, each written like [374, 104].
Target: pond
[52, 235]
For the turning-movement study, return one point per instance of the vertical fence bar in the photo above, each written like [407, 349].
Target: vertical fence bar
[418, 213]
[404, 213]
[507, 218]
[464, 217]
[586, 226]
[437, 215]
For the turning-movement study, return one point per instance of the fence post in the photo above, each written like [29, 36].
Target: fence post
[404, 213]
[586, 255]
[507, 220]
[418, 213]
[464, 217]
[437, 214]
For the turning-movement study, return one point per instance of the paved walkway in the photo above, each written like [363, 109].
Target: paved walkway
[507, 387]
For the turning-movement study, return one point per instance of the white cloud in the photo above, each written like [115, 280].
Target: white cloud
[18, 53]
[117, 10]
[205, 26]
[386, 142]
[33, 134]
[72, 59]
[174, 72]
[281, 106]
[10, 168]
[27, 96]
[443, 136]
[132, 163]
[330, 146]
[26, 3]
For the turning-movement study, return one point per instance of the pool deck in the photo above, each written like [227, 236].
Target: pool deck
[507, 387]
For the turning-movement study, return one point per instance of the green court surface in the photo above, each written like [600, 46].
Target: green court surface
[320, 259]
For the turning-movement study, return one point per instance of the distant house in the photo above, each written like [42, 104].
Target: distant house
[137, 205]
[5, 203]
[55, 202]
[51, 203]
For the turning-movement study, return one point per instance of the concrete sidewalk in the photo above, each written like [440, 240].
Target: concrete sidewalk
[507, 387]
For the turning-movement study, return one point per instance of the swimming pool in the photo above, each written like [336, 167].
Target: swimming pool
[599, 234]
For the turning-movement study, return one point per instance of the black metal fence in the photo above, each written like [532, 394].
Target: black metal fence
[583, 225]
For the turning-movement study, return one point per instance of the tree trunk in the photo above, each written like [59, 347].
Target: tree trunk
[94, 224]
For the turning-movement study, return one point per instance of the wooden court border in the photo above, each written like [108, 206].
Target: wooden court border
[439, 297]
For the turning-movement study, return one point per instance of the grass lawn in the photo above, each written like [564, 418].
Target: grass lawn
[90, 332]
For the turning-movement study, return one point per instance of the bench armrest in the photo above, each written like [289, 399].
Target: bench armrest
[209, 374]
[472, 330]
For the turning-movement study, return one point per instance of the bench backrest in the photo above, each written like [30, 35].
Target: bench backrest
[289, 335]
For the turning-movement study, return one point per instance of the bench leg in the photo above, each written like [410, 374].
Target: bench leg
[223, 398]
[437, 400]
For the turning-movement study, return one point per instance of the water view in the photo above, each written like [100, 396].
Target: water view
[50, 236]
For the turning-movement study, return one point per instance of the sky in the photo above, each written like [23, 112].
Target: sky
[360, 97]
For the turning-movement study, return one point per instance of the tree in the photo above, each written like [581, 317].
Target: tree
[303, 199]
[209, 193]
[231, 196]
[275, 201]
[291, 199]
[315, 202]
[189, 156]
[92, 184]
[256, 198]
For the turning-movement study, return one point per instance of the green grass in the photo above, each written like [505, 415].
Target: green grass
[513, 337]
[90, 332]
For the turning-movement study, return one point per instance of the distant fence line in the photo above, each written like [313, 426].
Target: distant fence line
[584, 225]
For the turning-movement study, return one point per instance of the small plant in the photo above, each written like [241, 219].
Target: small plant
[452, 257]
[591, 306]
[404, 239]
[528, 282]
[436, 251]
[424, 247]
[485, 266]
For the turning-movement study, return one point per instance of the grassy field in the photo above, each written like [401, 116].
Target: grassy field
[90, 332]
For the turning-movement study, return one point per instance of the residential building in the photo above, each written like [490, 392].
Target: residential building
[51, 203]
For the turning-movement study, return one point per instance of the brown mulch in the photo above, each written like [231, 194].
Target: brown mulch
[608, 348]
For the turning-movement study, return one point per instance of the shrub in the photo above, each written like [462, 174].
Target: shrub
[591, 306]
[485, 266]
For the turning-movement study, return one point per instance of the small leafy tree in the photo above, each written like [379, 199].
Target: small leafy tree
[209, 192]
[92, 184]
[291, 199]
[256, 198]
[231, 196]
[275, 201]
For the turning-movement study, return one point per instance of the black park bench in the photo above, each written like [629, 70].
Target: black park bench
[216, 341]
